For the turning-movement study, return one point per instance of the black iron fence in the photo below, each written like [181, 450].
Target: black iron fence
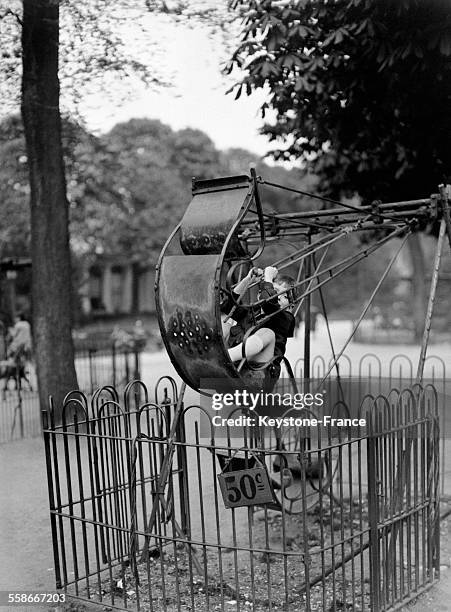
[374, 374]
[20, 413]
[106, 366]
[151, 510]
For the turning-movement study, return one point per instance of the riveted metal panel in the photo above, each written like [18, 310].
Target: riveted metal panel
[186, 308]
[210, 218]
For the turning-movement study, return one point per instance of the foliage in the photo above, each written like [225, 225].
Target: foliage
[81, 64]
[104, 45]
[127, 188]
[152, 170]
[360, 90]
[14, 190]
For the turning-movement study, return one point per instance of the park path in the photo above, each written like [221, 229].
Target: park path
[26, 560]
[26, 550]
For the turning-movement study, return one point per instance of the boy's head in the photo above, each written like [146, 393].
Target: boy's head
[286, 283]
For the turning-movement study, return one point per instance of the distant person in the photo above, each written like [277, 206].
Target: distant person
[20, 344]
[122, 339]
[140, 335]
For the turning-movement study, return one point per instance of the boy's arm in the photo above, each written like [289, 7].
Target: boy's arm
[231, 303]
[267, 291]
[244, 284]
[228, 303]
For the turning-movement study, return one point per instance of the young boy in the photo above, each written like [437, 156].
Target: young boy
[267, 344]
[265, 348]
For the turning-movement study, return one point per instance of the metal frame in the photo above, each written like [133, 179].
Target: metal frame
[104, 475]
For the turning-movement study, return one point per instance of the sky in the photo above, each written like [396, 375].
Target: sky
[197, 95]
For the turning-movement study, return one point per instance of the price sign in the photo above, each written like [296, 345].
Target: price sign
[245, 487]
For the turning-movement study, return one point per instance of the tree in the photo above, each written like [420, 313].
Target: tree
[38, 23]
[359, 90]
[51, 288]
[31, 32]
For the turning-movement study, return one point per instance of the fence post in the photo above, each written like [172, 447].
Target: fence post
[137, 374]
[113, 358]
[127, 367]
[19, 406]
[48, 464]
[436, 492]
[91, 373]
[373, 517]
[182, 464]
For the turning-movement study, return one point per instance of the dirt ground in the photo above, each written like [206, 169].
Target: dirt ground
[438, 599]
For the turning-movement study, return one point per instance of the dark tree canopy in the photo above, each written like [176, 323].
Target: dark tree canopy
[359, 90]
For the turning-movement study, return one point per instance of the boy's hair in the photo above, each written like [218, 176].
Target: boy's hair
[289, 283]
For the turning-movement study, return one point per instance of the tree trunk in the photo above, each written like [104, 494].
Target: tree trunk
[51, 266]
[419, 284]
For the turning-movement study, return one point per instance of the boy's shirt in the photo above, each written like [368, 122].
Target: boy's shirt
[282, 322]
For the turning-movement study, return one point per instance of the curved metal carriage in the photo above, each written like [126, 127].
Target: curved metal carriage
[192, 270]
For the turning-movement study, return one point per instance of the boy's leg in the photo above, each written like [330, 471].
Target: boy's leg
[258, 347]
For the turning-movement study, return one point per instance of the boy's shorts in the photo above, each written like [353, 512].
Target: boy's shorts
[236, 336]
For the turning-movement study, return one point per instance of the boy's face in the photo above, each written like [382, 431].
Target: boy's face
[283, 298]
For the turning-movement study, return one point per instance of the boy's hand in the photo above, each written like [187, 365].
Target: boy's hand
[270, 274]
[254, 273]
